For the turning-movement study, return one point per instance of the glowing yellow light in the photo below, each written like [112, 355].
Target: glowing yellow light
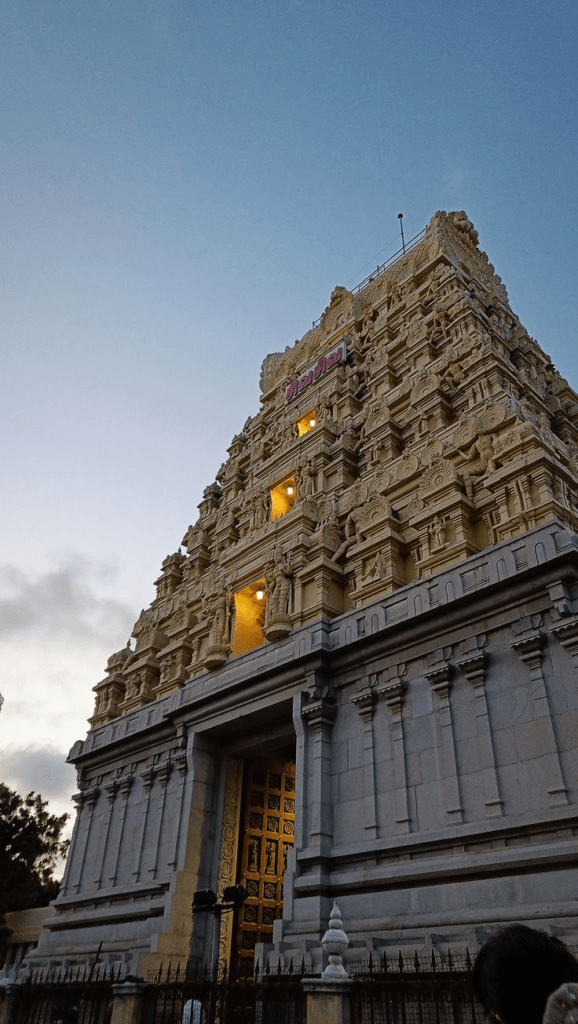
[260, 595]
[312, 423]
[289, 490]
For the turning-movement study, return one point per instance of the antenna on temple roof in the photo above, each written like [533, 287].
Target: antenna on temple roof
[400, 215]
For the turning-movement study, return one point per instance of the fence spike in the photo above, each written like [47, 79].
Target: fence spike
[302, 966]
[415, 960]
[450, 960]
[400, 962]
[433, 960]
[468, 959]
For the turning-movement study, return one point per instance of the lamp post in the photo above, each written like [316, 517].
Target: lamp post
[205, 901]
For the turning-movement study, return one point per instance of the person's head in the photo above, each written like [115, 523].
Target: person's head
[516, 971]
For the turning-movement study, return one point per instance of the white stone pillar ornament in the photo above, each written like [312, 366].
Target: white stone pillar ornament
[335, 942]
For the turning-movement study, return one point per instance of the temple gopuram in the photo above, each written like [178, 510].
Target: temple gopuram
[357, 680]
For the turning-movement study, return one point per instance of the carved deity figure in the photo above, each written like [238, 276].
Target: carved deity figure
[279, 589]
[437, 533]
[451, 373]
[352, 536]
[324, 410]
[306, 480]
[482, 452]
[261, 509]
[220, 612]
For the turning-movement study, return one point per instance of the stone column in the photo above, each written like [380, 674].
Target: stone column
[529, 650]
[128, 999]
[365, 702]
[474, 669]
[320, 716]
[439, 680]
[394, 695]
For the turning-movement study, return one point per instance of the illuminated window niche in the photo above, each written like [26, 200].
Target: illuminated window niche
[282, 498]
[307, 422]
[250, 604]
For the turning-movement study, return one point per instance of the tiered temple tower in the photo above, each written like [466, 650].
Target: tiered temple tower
[357, 680]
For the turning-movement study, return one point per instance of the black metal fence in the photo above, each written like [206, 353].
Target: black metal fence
[414, 990]
[387, 990]
[206, 997]
[80, 995]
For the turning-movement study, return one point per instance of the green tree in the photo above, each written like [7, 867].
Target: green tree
[30, 845]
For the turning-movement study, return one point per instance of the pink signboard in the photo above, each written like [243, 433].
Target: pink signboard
[322, 366]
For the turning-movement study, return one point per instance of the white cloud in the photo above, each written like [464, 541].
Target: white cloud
[63, 602]
[41, 769]
[57, 630]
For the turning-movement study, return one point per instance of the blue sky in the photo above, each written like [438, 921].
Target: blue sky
[183, 184]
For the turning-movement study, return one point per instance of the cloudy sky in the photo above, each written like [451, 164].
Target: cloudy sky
[183, 183]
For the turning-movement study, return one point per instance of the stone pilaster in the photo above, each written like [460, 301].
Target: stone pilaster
[529, 650]
[111, 789]
[320, 716]
[229, 850]
[126, 784]
[180, 762]
[439, 680]
[163, 772]
[70, 860]
[393, 694]
[364, 702]
[474, 669]
[88, 798]
[148, 778]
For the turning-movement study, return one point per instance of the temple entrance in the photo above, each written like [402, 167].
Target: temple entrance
[267, 834]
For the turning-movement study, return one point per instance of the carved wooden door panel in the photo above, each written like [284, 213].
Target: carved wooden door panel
[267, 828]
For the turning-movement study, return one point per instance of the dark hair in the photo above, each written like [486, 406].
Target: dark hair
[516, 971]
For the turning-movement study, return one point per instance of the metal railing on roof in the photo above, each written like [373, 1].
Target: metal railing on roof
[384, 266]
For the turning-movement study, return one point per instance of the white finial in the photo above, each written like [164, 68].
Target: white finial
[335, 942]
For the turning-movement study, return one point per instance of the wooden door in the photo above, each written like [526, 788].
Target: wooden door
[267, 829]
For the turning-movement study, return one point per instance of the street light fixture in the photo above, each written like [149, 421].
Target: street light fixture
[205, 902]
